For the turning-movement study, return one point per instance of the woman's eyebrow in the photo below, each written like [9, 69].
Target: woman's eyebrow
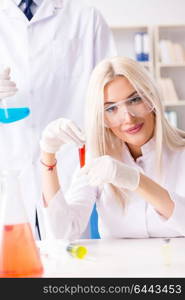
[112, 102]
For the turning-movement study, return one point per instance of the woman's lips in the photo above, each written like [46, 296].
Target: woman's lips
[134, 129]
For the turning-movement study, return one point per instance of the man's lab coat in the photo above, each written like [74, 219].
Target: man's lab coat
[51, 59]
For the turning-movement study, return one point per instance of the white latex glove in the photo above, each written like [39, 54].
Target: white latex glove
[105, 169]
[7, 87]
[60, 132]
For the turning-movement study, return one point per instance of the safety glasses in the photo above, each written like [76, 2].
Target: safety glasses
[136, 106]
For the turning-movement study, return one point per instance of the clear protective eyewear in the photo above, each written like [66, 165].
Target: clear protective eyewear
[136, 106]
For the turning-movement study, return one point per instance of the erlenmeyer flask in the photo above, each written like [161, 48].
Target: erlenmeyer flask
[14, 112]
[19, 256]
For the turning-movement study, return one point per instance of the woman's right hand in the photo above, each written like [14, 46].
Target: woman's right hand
[59, 132]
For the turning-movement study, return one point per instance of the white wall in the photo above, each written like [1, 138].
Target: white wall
[142, 12]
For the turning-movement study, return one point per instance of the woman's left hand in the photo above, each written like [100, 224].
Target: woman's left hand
[105, 169]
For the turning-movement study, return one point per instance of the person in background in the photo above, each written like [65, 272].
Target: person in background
[51, 47]
[135, 166]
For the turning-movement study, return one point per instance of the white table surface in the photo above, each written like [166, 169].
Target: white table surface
[118, 258]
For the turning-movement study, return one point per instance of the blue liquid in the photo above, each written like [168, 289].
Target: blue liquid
[10, 115]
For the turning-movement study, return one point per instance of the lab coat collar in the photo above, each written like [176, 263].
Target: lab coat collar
[11, 9]
[3, 4]
[56, 3]
[149, 146]
[46, 9]
[37, 2]
[17, 2]
[146, 149]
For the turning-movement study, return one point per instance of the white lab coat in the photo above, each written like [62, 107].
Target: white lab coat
[68, 216]
[51, 58]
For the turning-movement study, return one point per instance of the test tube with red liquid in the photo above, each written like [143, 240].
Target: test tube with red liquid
[82, 156]
[94, 216]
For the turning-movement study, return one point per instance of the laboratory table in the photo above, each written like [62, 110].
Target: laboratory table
[152, 257]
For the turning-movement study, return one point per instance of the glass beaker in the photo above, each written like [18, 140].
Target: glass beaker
[10, 114]
[19, 256]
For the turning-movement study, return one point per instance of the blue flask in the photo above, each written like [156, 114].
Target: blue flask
[9, 115]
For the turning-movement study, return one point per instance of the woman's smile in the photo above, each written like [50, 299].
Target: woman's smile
[135, 128]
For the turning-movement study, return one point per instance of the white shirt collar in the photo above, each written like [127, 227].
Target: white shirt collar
[17, 2]
[38, 2]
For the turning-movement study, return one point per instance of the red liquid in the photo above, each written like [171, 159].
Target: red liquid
[19, 256]
[82, 156]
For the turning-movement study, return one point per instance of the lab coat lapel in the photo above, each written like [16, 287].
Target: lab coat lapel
[12, 10]
[47, 9]
[3, 4]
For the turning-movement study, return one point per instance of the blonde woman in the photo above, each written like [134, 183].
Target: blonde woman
[136, 161]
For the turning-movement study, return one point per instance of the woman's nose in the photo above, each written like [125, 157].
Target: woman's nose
[127, 118]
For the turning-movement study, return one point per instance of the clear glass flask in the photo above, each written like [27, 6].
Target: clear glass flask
[19, 255]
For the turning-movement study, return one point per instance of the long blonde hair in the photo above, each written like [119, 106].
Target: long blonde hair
[101, 140]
